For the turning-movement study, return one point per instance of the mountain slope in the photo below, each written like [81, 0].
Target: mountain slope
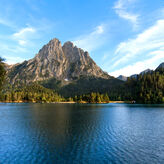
[147, 87]
[145, 71]
[85, 85]
[121, 77]
[161, 66]
[65, 62]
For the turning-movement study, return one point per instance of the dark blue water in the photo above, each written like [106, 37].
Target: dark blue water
[67, 133]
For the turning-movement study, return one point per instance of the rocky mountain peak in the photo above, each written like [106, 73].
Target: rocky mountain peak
[68, 44]
[52, 50]
[56, 61]
[52, 45]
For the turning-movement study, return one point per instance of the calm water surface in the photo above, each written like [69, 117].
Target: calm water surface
[71, 133]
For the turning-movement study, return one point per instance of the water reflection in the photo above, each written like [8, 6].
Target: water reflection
[71, 133]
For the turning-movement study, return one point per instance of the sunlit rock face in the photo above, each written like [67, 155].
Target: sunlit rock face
[55, 61]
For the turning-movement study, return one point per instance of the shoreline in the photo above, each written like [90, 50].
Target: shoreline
[71, 102]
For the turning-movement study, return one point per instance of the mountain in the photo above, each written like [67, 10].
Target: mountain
[148, 87]
[121, 77]
[124, 78]
[66, 69]
[85, 85]
[66, 62]
[161, 66]
[141, 73]
[134, 76]
[145, 71]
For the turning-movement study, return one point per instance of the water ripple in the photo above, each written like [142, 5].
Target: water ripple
[49, 133]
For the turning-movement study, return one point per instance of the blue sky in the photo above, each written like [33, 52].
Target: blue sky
[122, 36]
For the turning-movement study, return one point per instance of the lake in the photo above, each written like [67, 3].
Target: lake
[86, 133]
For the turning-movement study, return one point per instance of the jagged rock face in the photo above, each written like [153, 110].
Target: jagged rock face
[55, 61]
[80, 63]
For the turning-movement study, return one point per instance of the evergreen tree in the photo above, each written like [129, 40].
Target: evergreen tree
[147, 88]
[2, 72]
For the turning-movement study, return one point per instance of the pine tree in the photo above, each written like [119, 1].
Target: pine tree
[2, 73]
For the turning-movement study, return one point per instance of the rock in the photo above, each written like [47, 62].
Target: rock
[55, 61]
[121, 77]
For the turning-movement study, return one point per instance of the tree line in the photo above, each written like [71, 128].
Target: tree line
[2, 72]
[30, 93]
[91, 98]
[146, 88]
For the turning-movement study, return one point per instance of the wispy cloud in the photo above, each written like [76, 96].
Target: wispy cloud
[136, 68]
[10, 53]
[12, 60]
[122, 10]
[93, 40]
[23, 35]
[11, 49]
[24, 42]
[150, 40]
[144, 51]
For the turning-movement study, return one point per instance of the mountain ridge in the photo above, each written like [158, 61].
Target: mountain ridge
[161, 66]
[54, 60]
[124, 78]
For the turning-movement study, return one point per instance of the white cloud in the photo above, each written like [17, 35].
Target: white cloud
[12, 60]
[23, 35]
[92, 40]
[22, 42]
[131, 17]
[11, 49]
[136, 68]
[10, 53]
[24, 32]
[150, 40]
[122, 10]
[99, 30]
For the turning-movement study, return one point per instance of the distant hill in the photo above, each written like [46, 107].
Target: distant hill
[161, 66]
[124, 78]
[145, 71]
[85, 85]
[141, 73]
[121, 77]
[148, 86]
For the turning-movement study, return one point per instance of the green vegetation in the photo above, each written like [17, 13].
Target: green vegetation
[86, 85]
[37, 93]
[2, 73]
[30, 93]
[92, 98]
[147, 88]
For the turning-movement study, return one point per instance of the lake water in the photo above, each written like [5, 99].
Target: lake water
[72, 133]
